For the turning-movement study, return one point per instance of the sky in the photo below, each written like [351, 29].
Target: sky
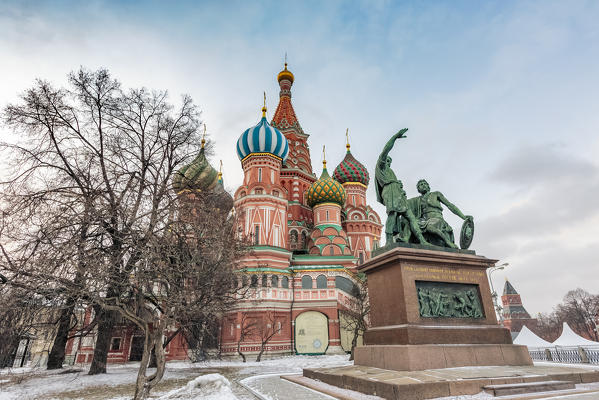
[501, 99]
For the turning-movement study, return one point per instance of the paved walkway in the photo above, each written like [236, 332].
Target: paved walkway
[275, 388]
[448, 381]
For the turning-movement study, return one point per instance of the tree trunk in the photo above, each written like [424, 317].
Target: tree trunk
[57, 354]
[105, 328]
[140, 389]
[144, 384]
[239, 351]
[259, 358]
[354, 343]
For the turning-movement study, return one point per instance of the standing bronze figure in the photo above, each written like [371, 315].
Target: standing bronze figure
[390, 192]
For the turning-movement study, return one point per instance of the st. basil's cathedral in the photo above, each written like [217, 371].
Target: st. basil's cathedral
[307, 237]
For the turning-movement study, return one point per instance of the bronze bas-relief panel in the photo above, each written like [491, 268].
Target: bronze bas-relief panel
[449, 300]
[446, 273]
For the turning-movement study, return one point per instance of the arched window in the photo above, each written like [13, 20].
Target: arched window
[321, 282]
[361, 256]
[331, 251]
[304, 240]
[285, 282]
[306, 282]
[254, 281]
[259, 174]
[244, 281]
[264, 280]
[274, 281]
[293, 239]
[346, 285]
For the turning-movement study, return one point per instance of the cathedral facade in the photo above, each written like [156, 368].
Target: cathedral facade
[308, 235]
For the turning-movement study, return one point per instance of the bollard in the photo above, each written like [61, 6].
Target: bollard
[583, 355]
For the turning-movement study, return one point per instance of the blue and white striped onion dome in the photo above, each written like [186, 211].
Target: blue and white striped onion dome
[263, 138]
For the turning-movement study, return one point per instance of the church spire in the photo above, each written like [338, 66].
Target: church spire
[285, 120]
[347, 146]
[284, 116]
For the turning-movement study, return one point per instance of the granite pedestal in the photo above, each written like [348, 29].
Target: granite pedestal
[404, 337]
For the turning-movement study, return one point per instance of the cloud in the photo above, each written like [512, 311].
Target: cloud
[542, 164]
[500, 99]
[552, 191]
[550, 231]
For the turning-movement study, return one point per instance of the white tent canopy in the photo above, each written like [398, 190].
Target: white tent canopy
[569, 338]
[528, 338]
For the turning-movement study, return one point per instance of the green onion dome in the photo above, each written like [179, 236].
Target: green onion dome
[197, 175]
[351, 170]
[325, 190]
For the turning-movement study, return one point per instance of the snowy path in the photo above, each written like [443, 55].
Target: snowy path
[272, 387]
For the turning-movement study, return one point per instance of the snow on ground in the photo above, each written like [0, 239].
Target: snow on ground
[282, 365]
[213, 380]
[38, 383]
[207, 387]
[29, 384]
[553, 364]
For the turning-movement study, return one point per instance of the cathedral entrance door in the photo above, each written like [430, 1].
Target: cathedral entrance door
[311, 333]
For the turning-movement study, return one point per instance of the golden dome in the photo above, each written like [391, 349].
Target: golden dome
[285, 74]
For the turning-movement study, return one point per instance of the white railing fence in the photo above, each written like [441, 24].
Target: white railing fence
[566, 355]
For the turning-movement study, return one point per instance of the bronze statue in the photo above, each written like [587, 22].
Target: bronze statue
[420, 219]
[427, 207]
[390, 192]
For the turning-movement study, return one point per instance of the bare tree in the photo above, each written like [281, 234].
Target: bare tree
[548, 326]
[93, 220]
[356, 313]
[92, 178]
[580, 309]
[268, 325]
[247, 328]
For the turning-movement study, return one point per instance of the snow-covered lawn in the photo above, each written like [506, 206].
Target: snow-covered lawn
[118, 383]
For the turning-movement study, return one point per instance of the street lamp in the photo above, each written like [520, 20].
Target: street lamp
[498, 308]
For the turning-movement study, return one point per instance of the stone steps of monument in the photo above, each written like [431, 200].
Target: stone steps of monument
[529, 387]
